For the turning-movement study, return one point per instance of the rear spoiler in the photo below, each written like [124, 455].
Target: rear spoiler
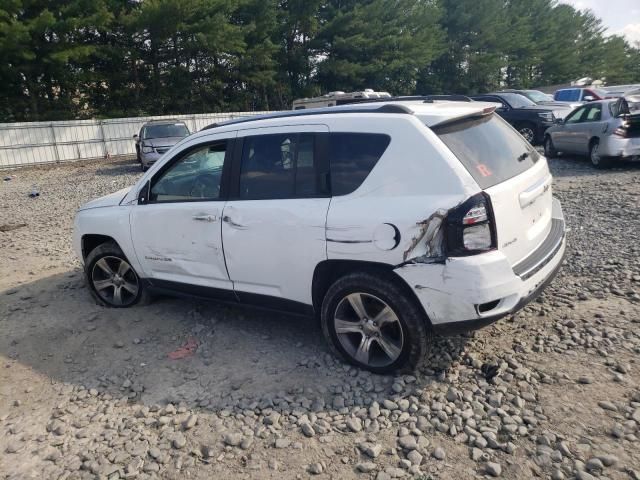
[477, 114]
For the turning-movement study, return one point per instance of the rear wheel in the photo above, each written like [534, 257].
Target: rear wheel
[371, 322]
[549, 149]
[112, 280]
[527, 130]
[597, 160]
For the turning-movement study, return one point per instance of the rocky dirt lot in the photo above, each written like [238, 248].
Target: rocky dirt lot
[89, 392]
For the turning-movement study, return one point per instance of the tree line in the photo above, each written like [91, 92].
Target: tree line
[63, 59]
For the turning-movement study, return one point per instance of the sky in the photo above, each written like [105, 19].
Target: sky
[621, 17]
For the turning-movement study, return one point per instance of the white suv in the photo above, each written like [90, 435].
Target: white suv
[389, 221]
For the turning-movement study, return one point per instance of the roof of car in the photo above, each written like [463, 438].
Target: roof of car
[431, 113]
[169, 121]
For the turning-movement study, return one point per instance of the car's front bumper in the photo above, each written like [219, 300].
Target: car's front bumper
[148, 159]
[466, 293]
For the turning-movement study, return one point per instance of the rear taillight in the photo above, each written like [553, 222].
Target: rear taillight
[470, 227]
[622, 130]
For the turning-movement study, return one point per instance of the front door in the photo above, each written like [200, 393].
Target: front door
[177, 234]
[564, 139]
[274, 225]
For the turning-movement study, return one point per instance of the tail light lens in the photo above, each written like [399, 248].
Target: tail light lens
[621, 131]
[470, 227]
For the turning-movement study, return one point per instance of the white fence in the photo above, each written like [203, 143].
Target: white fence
[32, 143]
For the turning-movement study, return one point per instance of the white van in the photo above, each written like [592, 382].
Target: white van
[387, 221]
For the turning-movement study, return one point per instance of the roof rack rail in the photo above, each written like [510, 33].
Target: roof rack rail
[317, 111]
[411, 98]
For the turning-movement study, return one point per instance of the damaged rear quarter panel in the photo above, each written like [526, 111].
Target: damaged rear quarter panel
[405, 197]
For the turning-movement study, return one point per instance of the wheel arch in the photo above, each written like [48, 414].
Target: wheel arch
[328, 271]
[592, 140]
[91, 241]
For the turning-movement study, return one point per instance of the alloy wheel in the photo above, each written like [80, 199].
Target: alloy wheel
[114, 281]
[527, 133]
[595, 154]
[368, 330]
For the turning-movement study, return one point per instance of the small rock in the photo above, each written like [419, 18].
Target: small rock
[232, 439]
[366, 467]
[315, 468]
[179, 441]
[439, 453]
[283, 443]
[493, 469]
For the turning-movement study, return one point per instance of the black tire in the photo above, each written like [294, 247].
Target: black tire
[549, 149]
[110, 253]
[143, 167]
[596, 160]
[528, 131]
[138, 154]
[415, 328]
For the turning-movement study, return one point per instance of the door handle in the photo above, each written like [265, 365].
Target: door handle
[205, 218]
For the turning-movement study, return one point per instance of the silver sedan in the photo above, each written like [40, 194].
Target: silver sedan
[604, 130]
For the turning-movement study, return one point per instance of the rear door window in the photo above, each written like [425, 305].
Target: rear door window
[351, 157]
[278, 166]
[489, 148]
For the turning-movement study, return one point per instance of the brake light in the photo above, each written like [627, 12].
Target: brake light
[621, 131]
[470, 227]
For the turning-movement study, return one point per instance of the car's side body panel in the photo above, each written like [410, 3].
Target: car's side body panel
[402, 201]
[273, 246]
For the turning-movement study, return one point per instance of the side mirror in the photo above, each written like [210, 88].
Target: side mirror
[135, 135]
[589, 98]
[559, 121]
[143, 194]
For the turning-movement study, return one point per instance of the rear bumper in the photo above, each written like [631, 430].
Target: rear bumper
[612, 146]
[466, 293]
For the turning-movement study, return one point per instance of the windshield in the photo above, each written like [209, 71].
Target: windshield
[538, 96]
[516, 100]
[164, 131]
[489, 148]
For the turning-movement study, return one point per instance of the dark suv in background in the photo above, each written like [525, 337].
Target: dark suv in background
[529, 119]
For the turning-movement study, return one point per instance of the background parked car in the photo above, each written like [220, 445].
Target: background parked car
[541, 98]
[580, 94]
[529, 119]
[605, 130]
[155, 138]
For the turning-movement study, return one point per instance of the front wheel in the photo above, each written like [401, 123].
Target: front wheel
[112, 280]
[549, 149]
[373, 323]
[597, 160]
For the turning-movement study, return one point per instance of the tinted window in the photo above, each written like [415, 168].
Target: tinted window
[569, 95]
[165, 131]
[196, 176]
[351, 157]
[593, 114]
[489, 148]
[576, 116]
[278, 166]
[516, 100]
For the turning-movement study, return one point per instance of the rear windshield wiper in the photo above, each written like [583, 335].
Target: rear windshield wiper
[523, 157]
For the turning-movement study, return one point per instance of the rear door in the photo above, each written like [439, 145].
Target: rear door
[512, 173]
[273, 226]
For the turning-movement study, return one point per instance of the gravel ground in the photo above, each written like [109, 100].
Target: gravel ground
[88, 392]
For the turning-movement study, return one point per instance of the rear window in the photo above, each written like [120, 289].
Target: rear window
[489, 148]
[571, 95]
[352, 156]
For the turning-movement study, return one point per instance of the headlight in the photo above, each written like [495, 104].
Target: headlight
[546, 116]
[146, 149]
